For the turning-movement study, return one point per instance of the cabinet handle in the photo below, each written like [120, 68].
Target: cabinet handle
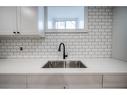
[18, 32]
[64, 87]
[14, 32]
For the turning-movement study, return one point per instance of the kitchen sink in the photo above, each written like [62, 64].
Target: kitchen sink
[64, 64]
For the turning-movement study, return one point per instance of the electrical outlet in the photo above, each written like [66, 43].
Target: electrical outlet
[21, 48]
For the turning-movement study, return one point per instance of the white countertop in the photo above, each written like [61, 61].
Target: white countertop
[33, 66]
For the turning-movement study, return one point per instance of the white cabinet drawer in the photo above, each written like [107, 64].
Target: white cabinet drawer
[12, 81]
[115, 81]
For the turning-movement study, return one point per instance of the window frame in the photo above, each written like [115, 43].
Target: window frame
[85, 29]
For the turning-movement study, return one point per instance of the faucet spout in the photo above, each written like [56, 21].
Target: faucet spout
[59, 49]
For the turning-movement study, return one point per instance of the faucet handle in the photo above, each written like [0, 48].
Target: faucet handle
[66, 55]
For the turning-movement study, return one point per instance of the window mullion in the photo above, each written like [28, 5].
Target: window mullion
[65, 23]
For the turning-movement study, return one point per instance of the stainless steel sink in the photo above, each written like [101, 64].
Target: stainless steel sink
[64, 64]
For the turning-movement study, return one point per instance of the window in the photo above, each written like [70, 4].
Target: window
[63, 23]
[65, 18]
[51, 19]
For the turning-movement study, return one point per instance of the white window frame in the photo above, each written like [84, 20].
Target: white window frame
[65, 30]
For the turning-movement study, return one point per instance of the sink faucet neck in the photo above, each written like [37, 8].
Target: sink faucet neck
[60, 46]
[59, 49]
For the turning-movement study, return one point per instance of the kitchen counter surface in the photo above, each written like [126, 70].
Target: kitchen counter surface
[33, 66]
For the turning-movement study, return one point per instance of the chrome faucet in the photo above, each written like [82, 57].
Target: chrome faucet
[64, 55]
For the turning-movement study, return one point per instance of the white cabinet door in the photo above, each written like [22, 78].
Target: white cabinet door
[12, 81]
[8, 23]
[83, 81]
[115, 81]
[46, 81]
[31, 20]
[64, 81]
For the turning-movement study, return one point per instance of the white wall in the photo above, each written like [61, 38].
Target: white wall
[96, 43]
[120, 33]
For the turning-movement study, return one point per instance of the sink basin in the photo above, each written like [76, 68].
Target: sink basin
[64, 64]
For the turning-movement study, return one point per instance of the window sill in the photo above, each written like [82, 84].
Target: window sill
[67, 30]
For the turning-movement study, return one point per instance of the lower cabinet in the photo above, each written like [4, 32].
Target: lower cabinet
[46, 81]
[83, 81]
[64, 82]
[12, 81]
[115, 81]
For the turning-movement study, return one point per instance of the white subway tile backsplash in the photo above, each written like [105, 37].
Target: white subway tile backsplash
[96, 43]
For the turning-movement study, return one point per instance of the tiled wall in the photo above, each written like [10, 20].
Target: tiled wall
[96, 43]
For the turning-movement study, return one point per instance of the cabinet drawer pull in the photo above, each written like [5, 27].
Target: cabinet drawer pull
[14, 32]
[18, 32]
[64, 87]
